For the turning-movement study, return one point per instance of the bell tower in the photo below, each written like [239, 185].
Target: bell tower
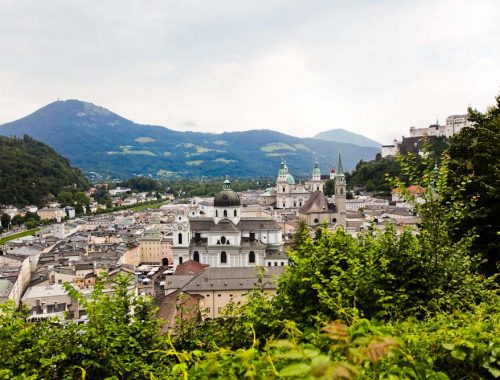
[340, 192]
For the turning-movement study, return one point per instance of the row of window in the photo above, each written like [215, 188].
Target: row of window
[223, 257]
[225, 213]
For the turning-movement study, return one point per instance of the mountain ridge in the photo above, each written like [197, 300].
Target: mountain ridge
[343, 135]
[105, 144]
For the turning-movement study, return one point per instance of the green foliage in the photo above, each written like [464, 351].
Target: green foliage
[461, 344]
[372, 175]
[142, 184]
[5, 220]
[474, 165]
[31, 172]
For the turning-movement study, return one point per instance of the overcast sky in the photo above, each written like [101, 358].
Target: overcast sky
[299, 67]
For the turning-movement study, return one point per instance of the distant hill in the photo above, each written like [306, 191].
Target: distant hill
[344, 136]
[30, 171]
[103, 143]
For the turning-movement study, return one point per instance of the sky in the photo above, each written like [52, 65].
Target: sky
[298, 67]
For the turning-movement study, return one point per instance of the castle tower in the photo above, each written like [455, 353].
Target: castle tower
[340, 193]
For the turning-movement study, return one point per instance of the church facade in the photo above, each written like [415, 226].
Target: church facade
[307, 199]
[290, 195]
[227, 239]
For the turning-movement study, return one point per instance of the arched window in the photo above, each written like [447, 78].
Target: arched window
[235, 213]
[196, 256]
[225, 213]
[216, 213]
[179, 236]
[164, 261]
[223, 257]
[180, 260]
[223, 240]
[251, 257]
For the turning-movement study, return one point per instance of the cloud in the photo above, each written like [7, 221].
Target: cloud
[299, 67]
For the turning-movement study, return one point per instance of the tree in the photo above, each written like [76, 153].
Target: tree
[5, 220]
[329, 189]
[65, 198]
[475, 162]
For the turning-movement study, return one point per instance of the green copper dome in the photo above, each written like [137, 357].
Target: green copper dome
[316, 170]
[290, 180]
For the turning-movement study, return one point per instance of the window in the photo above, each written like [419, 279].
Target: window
[219, 309]
[269, 264]
[223, 240]
[225, 213]
[316, 220]
[180, 260]
[282, 264]
[251, 257]
[252, 236]
[283, 189]
[179, 237]
[196, 256]
[216, 213]
[207, 310]
[223, 257]
[275, 263]
[235, 213]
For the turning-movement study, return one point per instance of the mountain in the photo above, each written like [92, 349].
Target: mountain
[31, 171]
[344, 136]
[103, 143]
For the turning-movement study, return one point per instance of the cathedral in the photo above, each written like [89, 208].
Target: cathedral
[227, 239]
[307, 199]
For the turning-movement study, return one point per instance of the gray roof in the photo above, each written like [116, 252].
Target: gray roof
[225, 225]
[318, 202]
[244, 278]
[245, 224]
[5, 287]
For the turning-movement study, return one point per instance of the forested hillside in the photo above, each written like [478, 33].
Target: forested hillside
[31, 172]
[104, 144]
[372, 175]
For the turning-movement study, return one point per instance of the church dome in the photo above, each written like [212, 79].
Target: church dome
[290, 180]
[226, 197]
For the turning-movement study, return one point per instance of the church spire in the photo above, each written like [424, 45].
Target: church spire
[340, 170]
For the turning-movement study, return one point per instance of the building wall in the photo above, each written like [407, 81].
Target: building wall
[213, 302]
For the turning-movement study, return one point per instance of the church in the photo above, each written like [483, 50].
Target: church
[307, 199]
[228, 239]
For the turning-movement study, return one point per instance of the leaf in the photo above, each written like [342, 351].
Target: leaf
[295, 370]
[459, 354]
